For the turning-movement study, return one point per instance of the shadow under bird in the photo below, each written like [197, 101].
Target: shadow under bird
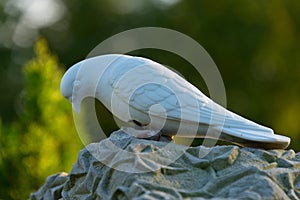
[156, 99]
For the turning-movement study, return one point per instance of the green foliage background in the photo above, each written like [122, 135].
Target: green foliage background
[255, 44]
[44, 140]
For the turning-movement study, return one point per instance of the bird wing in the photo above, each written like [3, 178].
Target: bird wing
[150, 84]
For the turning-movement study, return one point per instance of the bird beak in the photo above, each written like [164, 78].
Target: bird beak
[69, 85]
[76, 97]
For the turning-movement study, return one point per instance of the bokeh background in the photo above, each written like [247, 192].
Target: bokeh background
[255, 45]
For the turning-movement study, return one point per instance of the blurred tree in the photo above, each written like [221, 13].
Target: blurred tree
[255, 45]
[43, 141]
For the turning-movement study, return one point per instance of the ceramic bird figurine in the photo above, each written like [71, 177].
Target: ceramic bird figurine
[140, 91]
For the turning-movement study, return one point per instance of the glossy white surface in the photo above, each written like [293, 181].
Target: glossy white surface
[133, 87]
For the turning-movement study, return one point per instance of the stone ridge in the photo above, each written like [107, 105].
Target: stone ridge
[158, 170]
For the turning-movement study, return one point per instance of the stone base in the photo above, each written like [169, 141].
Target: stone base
[124, 167]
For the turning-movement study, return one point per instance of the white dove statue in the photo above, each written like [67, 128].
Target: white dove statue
[140, 91]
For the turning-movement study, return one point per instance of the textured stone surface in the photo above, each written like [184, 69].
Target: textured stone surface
[148, 172]
[52, 188]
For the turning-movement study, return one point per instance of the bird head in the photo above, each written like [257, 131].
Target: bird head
[82, 80]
